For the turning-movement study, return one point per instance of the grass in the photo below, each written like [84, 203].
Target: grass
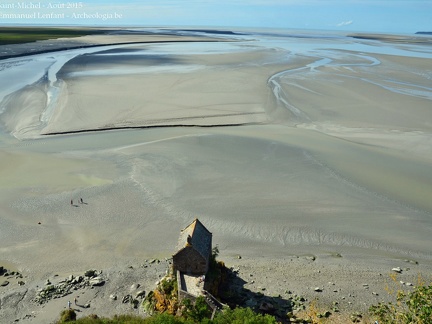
[18, 35]
[235, 316]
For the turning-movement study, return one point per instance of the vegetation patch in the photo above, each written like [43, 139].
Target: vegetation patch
[413, 307]
[18, 35]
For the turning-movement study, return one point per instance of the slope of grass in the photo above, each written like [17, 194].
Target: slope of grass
[18, 35]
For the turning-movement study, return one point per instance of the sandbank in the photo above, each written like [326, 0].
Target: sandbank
[316, 173]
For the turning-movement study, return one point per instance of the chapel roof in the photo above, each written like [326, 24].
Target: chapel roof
[200, 238]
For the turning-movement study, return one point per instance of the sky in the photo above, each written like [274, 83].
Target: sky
[387, 16]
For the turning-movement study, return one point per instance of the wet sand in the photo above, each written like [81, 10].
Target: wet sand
[281, 155]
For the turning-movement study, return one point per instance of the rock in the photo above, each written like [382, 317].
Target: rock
[356, 317]
[251, 303]
[97, 281]
[47, 282]
[113, 297]
[152, 261]
[87, 305]
[21, 283]
[4, 283]
[90, 273]
[324, 315]
[135, 286]
[70, 278]
[317, 289]
[140, 294]
[266, 307]
[127, 299]
[77, 280]
[239, 257]
[409, 284]
[397, 269]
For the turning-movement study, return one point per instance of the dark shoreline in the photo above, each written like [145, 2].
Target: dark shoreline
[65, 38]
[399, 39]
[66, 48]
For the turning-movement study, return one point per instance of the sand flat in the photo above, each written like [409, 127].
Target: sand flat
[209, 89]
[330, 154]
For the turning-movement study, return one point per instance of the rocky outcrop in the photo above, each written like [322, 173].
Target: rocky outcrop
[91, 278]
[11, 276]
[163, 298]
[96, 281]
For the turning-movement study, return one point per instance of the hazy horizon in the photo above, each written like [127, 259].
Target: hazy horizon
[382, 16]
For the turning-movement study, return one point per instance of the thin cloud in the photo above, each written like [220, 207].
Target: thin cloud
[345, 23]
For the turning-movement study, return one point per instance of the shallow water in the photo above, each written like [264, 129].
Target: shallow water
[328, 49]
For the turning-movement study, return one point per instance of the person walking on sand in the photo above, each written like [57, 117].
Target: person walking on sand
[81, 201]
[75, 300]
[69, 304]
[71, 202]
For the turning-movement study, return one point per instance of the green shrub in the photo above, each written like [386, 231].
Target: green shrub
[197, 311]
[67, 315]
[169, 286]
[165, 318]
[117, 319]
[243, 316]
[414, 307]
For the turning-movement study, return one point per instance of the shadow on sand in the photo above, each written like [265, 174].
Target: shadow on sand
[234, 293]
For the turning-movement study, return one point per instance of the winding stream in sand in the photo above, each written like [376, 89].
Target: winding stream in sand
[333, 179]
[18, 73]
